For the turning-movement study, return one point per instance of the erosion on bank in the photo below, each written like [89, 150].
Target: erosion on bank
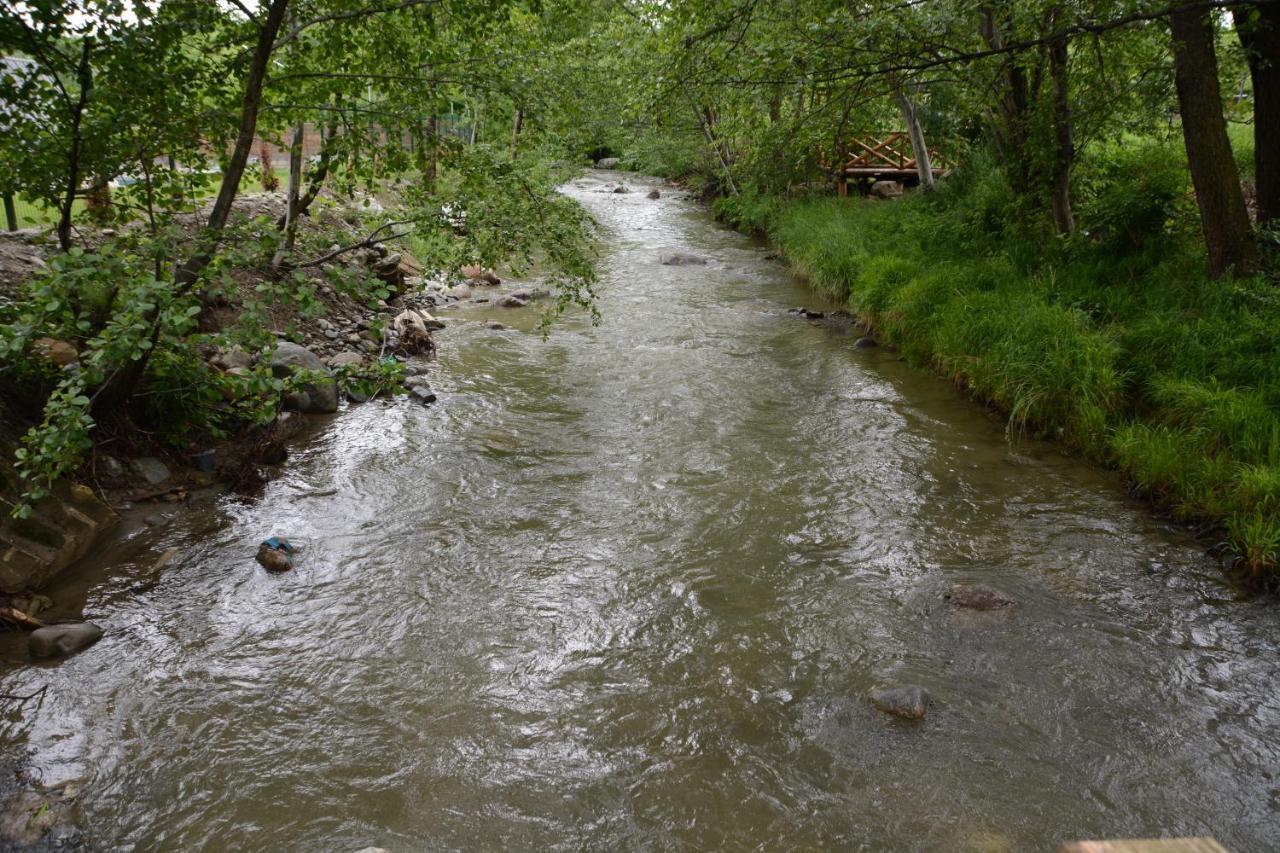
[1115, 341]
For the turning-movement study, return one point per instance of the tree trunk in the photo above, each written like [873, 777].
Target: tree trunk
[1258, 27]
[84, 77]
[250, 103]
[517, 124]
[1012, 105]
[292, 197]
[1064, 138]
[1224, 218]
[433, 150]
[775, 105]
[120, 386]
[912, 120]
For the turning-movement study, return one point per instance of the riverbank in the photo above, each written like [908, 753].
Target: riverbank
[268, 350]
[1114, 343]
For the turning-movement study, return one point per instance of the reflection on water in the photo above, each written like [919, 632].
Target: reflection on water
[628, 588]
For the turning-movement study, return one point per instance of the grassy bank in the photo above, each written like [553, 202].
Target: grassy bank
[1114, 341]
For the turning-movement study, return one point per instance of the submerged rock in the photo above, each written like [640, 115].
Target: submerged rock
[654, 194]
[511, 301]
[422, 394]
[682, 259]
[909, 701]
[977, 597]
[55, 641]
[866, 342]
[621, 188]
[494, 324]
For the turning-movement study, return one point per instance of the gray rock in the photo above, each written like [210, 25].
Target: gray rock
[289, 357]
[866, 342]
[494, 324]
[150, 469]
[909, 701]
[347, 358]
[231, 358]
[621, 188]
[331, 334]
[511, 301]
[110, 468]
[607, 163]
[654, 194]
[321, 395]
[297, 401]
[459, 291]
[977, 597]
[422, 394]
[416, 380]
[61, 640]
[682, 259]
[886, 189]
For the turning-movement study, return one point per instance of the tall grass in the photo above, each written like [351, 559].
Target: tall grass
[1114, 341]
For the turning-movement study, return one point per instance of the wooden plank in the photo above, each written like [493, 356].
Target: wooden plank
[1145, 845]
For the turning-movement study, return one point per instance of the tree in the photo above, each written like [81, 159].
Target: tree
[1224, 218]
[1258, 27]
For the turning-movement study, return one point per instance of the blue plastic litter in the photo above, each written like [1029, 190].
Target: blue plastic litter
[275, 543]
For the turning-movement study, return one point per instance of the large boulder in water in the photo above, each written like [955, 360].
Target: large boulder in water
[317, 397]
[55, 641]
[607, 163]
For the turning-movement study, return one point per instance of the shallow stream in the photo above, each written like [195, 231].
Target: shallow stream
[628, 588]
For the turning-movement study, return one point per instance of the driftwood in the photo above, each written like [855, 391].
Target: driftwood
[15, 616]
[414, 336]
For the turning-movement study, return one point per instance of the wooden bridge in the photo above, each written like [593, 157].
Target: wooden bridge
[884, 157]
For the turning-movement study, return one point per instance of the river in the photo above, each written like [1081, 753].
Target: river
[628, 588]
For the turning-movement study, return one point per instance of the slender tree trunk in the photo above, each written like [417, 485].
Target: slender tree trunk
[84, 77]
[250, 104]
[292, 196]
[1224, 218]
[517, 124]
[433, 149]
[910, 118]
[1064, 138]
[117, 390]
[1258, 27]
[706, 121]
[1012, 104]
[775, 105]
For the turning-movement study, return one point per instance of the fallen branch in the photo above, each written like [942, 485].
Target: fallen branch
[363, 244]
[17, 617]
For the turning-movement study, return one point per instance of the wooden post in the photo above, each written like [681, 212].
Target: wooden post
[10, 215]
[842, 186]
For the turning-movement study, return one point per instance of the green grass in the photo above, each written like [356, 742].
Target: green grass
[1114, 341]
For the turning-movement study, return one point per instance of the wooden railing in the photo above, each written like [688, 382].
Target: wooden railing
[888, 156]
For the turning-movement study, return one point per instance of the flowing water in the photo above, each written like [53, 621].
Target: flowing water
[628, 589]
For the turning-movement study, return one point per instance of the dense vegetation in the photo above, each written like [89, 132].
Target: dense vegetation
[135, 127]
[1095, 253]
